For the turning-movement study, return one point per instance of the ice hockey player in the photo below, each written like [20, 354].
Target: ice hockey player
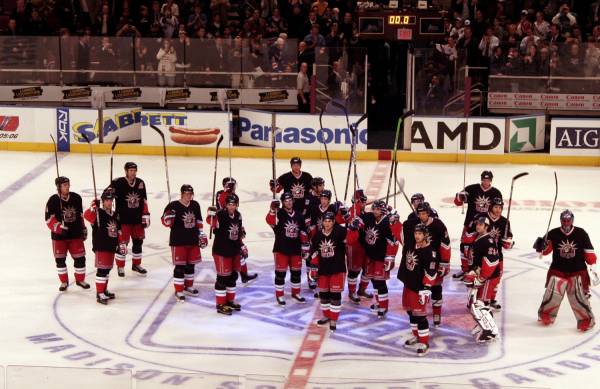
[482, 279]
[314, 195]
[500, 231]
[291, 244]
[418, 272]
[437, 237]
[478, 198]
[64, 218]
[328, 266]
[229, 188]
[227, 250]
[412, 218]
[132, 210]
[380, 249]
[296, 182]
[106, 229]
[186, 238]
[355, 254]
[572, 257]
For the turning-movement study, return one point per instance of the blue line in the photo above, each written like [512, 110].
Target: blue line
[22, 181]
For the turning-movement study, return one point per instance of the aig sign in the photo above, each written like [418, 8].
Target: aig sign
[453, 135]
[575, 137]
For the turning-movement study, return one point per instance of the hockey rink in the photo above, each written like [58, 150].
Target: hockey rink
[144, 339]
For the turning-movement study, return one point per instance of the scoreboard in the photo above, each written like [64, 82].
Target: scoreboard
[417, 26]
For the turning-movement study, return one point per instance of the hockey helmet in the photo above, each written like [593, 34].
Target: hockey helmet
[232, 199]
[108, 194]
[417, 197]
[359, 195]
[130, 165]
[487, 174]
[567, 215]
[379, 204]
[286, 196]
[187, 188]
[316, 181]
[326, 193]
[58, 181]
[421, 228]
[228, 180]
[482, 220]
[423, 207]
[295, 160]
[329, 215]
[497, 201]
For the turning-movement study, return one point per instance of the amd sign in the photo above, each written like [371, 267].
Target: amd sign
[452, 135]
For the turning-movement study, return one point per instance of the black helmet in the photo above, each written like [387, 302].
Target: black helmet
[187, 188]
[316, 181]
[359, 195]
[228, 180]
[421, 228]
[232, 199]
[108, 194]
[379, 204]
[130, 165]
[58, 181]
[487, 174]
[567, 215]
[326, 193]
[497, 201]
[482, 220]
[295, 160]
[417, 197]
[329, 215]
[286, 196]
[423, 207]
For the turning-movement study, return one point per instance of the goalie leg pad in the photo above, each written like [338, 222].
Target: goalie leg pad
[488, 330]
[556, 288]
[576, 293]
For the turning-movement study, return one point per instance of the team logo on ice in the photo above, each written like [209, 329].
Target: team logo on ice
[482, 204]
[327, 248]
[567, 249]
[189, 219]
[411, 260]
[291, 229]
[133, 200]
[371, 236]
[298, 191]
[69, 214]
[111, 229]
[234, 232]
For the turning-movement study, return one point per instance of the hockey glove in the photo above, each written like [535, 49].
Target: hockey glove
[202, 240]
[594, 279]
[469, 279]
[122, 250]
[212, 211]
[424, 296]
[508, 244]
[313, 274]
[540, 245]
[244, 251]
[388, 263]
[478, 282]
[273, 185]
[275, 204]
[63, 230]
[462, 196]
[169, 218]
[355, 224]
[443, 269]
[146, 220]
[305, 250]
[393, 216]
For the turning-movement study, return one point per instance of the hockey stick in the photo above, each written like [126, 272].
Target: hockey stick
[273, 146]
[93, 175]
[551, 212]
[512, 185]
[345, 110]
[401, 190]
[57, 175]
[356, 134]
[394, 156]
[212, 202]
[326, 154]
[162, 136]
[112, 150]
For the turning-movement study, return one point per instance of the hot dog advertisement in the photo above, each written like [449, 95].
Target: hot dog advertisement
[184, 128]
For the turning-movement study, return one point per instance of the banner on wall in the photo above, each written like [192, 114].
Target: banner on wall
[21, 124]
[122, 122]
[525, 133]
[184, 128]
[433, 134]
[575, 137]
[300, 131]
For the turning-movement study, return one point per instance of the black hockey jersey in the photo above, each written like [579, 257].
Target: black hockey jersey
[377, 238]
[495, 230]
[228, 234]
[129, 199]
[437, 237]
[186, 224]
[222, 196]
[479, 200]
[290, 231]
[298, 187]
[105, 237]
[570, 252]
[485, 257]
[329, 251]
[418, 267]
[69, 212]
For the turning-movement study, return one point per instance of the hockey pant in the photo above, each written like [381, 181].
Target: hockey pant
[556, 287]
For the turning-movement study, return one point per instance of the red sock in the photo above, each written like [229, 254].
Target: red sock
[120, 261]
[414, 330]
[80, 274]
[101, 284]
[136, 259]
[352, 285]
[325, 310]
[178, 283]
[437, 310]
[334, 312]
[189, 280]
[383, 301]
[231, 294]
[464, 264]
[63, 275]
[295, 289]
[278, 290]
[424, 336]
[364, 283]
[220, 296]
[244, 269]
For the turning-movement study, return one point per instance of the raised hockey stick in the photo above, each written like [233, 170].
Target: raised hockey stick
[212, 202]
[345, 110]
[112, 150]
[356, 135]
[327, 155]
[162, 136]
[512, 185]
[551, 212]
[57, 175]
[394, 156]
[93, 175]
[400, 190]
[273, 148]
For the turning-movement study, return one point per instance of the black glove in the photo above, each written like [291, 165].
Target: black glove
[540, 244]
[275, 204]
[272, 184]
[84, 233]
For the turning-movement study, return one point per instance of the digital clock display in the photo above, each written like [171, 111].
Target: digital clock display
[401, 20]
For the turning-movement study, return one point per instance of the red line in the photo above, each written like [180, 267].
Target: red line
[307, 355]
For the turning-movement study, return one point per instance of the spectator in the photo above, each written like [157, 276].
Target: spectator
[197, 19]
[21, 14]
[479, 25]
[497, 61]
[541, 28]
[36, 26]
[169, 24]
[155, 15]
[303, 88]
[107, 59]
[528, 40]
[347, 29]
[306, 56]
[595, 12]
[295, 22]
[531, 62]
[105, 24]
[83, 58]
[167, 58]
[321, 6]
[457, 31]
[488, 44]
[514, 65]
[11, 28]
[144, 22]
[555, 35]
[308, 25]
[171, 6]
[434, 99]
[524, 19]
[315, 40]
[144, 62]
[334, 44]
[220, 8]
[470, 47]
[564, 18]
[215, 28]
[592, 59]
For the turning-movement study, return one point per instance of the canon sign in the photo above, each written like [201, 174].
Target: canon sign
[446, 135]
[575, 137]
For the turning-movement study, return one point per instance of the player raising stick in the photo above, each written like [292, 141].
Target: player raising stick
[105, 241]
[572, 254]
[478, 198]
[227, 249]
[291, 243]
[132, 210]
[418, 273]
[328, 266]
[296, 182]
[355, 255]
[186, 238]
[64, 218]
[229, 188]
